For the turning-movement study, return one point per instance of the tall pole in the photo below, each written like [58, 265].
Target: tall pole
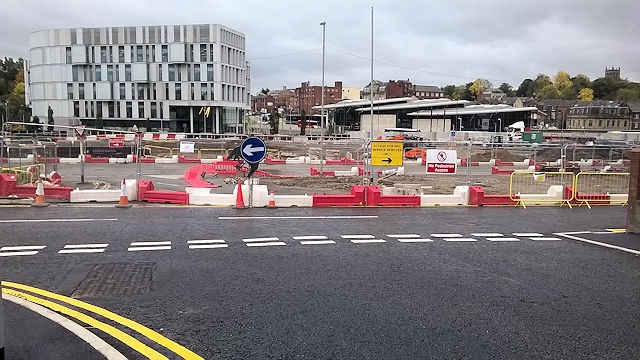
[324, 25]
[371, 84]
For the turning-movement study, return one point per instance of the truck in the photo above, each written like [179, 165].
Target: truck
[515, 130]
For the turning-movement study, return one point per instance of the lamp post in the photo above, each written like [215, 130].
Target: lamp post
[324, 25]
[460, 122]
[500, 120]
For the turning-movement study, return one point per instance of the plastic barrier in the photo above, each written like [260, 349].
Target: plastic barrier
[269, 161]
[83, 196]
[497, 171]
[460, 196]
[479, 198]
[355, 198]
[183, 159]
[313, 171]
[89, 159]
[146, 192]
[375, 198]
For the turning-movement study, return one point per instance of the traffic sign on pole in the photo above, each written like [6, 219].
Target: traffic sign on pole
[79, 129]
[253, 150]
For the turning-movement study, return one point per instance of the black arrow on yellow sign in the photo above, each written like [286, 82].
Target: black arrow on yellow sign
[387, 160]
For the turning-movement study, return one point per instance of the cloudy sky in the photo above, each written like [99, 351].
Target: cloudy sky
[428, 42]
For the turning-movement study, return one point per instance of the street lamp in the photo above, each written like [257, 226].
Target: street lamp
[500, 120]
[460, 126]
[324, 23]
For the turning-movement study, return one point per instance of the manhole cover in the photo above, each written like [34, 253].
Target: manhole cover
[116, 279]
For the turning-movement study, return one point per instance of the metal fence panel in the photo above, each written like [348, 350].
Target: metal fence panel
[541, 188]
[600, 188]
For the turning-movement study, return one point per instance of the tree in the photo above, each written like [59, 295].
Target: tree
[549, 92]
[562, 81]
[448, 90]
[264, 91]
[274, 121]
[50, 119]
[462, 92]
[586, 94]
[627, 94]
[526, 88]
[303, 122]
[507, 89]
[478, 87]
[540, 82]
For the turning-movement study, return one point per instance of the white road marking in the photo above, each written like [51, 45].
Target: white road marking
[52, 220]
[209, 246]
[149, 246]
[18, 253]
[249, 240]
[310, 237]
[83, 248]
[414, 240]
[357, 236]
[195, 242]
[368, 241]
[317, 242]
[460, 239]
[527, 234]
[544, 239]
[632, 251]
[297, 217]
[404, 236]
[487, 234]
[446, 235]
[502, 239]
[273, 243]
[26, 247]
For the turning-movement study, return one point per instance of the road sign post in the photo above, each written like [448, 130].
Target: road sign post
[253, 150]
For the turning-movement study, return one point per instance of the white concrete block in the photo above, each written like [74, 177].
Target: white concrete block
[460, 196]
[70, 160]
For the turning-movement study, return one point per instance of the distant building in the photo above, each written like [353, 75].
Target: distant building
[599, 115]
[126, 74]
[612, 74]
[307, 96]
[401, 88]
[350, 93]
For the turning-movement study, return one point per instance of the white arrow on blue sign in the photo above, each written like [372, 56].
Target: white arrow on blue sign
[253, 150]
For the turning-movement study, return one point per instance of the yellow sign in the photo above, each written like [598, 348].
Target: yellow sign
[386, 153]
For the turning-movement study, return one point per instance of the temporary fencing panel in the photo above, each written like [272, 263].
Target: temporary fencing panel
[541, 188]
[598, 188]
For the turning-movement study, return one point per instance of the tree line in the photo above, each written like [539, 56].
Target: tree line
[561, 86]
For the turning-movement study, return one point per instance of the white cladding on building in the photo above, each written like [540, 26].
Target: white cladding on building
[192, 78]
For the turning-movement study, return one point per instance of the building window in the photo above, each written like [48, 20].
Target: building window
[153, 53]
[103, 54]
[141, 109]
[191, 92]
[172, 72]
[110, 109]
[209, 72]
[203, 92]
[203, 52]
[68, 54]
[139, 54]
[165, 53]
[76, 108]
[74, 72]
[81, 91]
[141, 91]
[129, 111]
[121, 54]
[211, 92]
[123, 91]
[127, 72]
[196, 72]
[178, 91]
[154, 110]
[153, 91]
[69, 91]
[109, 72]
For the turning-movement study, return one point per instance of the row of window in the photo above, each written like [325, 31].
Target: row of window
[604, 124]
[148, 53]
[429, 94]
[144, 91]
[175, 72]
[618, 111]
[113, 109]
[153, 34]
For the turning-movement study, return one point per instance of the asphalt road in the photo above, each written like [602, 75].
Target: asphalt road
[334, 283]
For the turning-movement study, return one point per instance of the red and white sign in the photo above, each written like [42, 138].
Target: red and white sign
[441, 161]
[79, 129]
[116, 142]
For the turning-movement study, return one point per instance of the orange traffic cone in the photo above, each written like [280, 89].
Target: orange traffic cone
[272, 199]
[124, 199]
[40, 200]
[239, 197]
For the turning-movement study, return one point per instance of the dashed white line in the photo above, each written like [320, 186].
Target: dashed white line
[51, 220]
[404, 236]
[356, 236]
[317, 242]
[18, 253]
[487, 234]
[272, 243]
[207, 244]
[368, 241]
[544, 239]
[496, 239]
[310, 237]
[83, 248]
[149, 246]
[527, 234]
[25, 250]
[460, 239]
[412, 240]
[248, 240]
[446, 235]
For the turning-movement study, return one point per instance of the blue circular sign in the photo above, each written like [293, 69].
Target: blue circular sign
[253, 150]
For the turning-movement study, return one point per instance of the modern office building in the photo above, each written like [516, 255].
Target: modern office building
[185, 78]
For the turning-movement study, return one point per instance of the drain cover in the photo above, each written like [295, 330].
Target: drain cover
[116, 279]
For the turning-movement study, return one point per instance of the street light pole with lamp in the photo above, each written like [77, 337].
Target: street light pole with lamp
[460, 124]
[324, 25]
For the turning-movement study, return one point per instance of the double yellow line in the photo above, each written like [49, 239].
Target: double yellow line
[14, 289]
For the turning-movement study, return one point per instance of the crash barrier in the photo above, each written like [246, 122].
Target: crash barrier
[10, 188]
[147, 192]
[477, 197]
[597, 188]
[538, 188]
[111, 195]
